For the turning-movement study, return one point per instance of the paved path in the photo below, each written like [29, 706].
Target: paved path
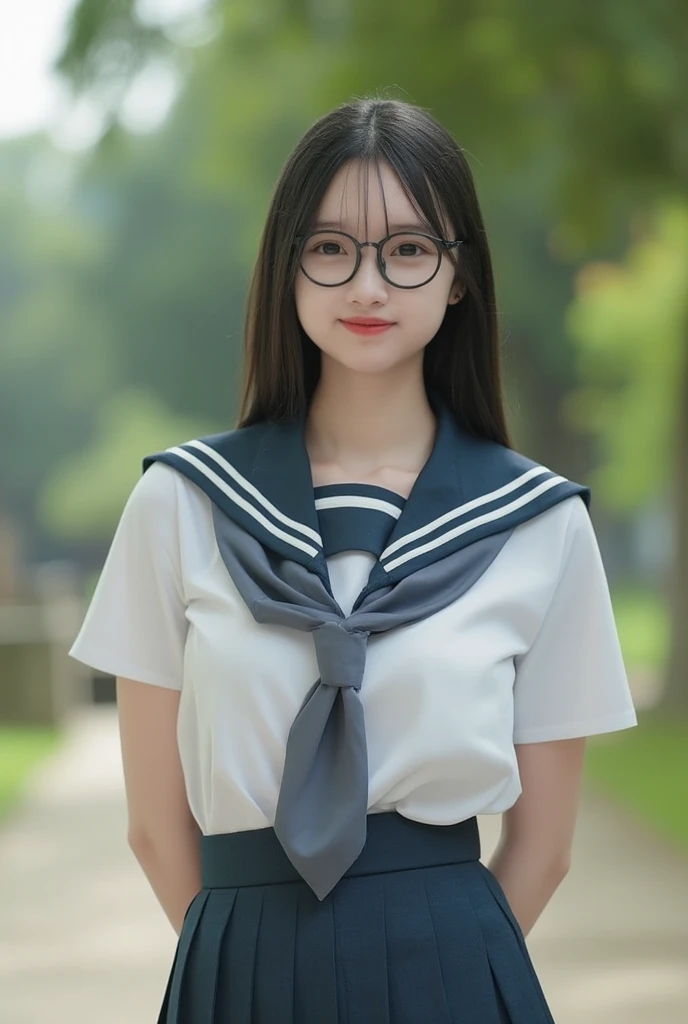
[84, 941]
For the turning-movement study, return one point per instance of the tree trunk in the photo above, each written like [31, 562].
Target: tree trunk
[674, 699]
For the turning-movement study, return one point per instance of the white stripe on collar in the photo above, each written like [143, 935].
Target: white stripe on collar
[358, 501]
[225, 488]
[483, 499]
[472, 524]
[253, 491]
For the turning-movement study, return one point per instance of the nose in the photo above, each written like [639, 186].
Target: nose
[367, 287]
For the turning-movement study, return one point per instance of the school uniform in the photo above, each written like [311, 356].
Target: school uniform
[355, 670]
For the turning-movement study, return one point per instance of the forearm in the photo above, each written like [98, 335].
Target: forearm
[172, 865]
[529, 877]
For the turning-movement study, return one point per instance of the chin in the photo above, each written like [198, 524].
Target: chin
[368, 355]
[369, 365]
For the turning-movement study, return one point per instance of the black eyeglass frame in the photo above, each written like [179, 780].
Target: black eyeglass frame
[447, 244]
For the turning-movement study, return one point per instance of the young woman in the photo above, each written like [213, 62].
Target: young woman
[355, 622]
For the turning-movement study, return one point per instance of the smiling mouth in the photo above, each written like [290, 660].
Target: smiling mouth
[369, 327]
[364, 321]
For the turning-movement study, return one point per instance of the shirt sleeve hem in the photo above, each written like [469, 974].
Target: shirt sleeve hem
[113, 667]
[573, 730]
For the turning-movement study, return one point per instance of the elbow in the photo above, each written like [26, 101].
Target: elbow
[549, 864]
[546, 855]
[140, 843]
[151, 840]
[561, 867]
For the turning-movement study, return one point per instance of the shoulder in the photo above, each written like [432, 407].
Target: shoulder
[559, 547]
[154, 493]
[164, 496]
[549, 535]
[519, 467]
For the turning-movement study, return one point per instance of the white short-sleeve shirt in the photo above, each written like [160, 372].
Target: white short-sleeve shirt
[529, 653]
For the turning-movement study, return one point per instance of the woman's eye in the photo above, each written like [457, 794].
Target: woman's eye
[329, 248]
[409, 249]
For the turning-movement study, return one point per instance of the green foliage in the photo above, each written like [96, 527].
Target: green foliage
[646, 769]
[107, 42]
[54, 356]
[172, 275]
[22, 748]
[604, 86]
[642, 621]
[83, 498]
[630, 323]
[134, 278]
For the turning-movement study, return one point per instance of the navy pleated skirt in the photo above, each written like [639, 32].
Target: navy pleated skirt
[418, 931]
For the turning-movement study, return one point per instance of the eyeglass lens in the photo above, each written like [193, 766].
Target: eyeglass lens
[409, 259]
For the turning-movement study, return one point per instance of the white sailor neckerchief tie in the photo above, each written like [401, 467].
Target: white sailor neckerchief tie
[256, 477]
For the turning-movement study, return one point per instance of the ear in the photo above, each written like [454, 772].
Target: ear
[457, 293]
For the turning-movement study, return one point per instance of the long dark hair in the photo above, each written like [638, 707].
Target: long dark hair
[462, 361]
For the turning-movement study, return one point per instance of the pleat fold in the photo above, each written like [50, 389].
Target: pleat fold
[359, 921]
[317, 994]
[170, 1011]
[416, 985]
[463, 958]
[163, 1016]
[509, 957]
[207, 951]
[275, 956]
[238, 957]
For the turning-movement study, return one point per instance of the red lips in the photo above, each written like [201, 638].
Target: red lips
[367, 326]
[367, 321]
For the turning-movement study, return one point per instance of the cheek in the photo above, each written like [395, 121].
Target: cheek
[310, 305]
[439, 299]
[429, 310]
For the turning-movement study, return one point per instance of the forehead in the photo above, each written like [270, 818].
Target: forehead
[366, 196]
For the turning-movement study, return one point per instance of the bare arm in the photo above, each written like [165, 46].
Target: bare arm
[162, 832]
[534, 851]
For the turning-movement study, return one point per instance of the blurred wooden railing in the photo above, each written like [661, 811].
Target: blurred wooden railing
[39, 683]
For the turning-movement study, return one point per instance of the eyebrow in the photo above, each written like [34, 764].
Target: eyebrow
[334, 226]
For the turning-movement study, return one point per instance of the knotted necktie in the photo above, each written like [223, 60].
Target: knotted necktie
[322, 807]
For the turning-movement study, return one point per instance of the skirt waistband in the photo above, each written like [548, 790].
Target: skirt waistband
[393, 843]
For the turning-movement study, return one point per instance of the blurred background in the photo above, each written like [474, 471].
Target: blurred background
[139, 144]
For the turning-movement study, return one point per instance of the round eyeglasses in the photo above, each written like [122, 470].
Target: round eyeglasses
[406, 259]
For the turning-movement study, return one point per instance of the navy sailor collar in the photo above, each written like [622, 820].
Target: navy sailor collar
[469, 488]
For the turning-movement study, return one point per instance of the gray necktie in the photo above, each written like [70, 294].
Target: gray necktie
[322, 806]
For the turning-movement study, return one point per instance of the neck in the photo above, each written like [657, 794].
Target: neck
[361, 424]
